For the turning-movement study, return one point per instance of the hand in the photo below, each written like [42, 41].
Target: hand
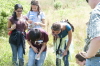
[38, 55]
[64, 53]
[83, 54]
[30, 21]
[35, 49]
[37, 23]
[13, 26]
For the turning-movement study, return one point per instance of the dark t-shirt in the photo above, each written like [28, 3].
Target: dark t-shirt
[20, 24]
[44, 38]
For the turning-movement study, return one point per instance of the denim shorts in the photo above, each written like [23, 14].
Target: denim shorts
[94, 61]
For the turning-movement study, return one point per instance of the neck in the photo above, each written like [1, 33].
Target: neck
[18, 16]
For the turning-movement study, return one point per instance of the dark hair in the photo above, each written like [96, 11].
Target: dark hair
[37, 4]
[56, 26]
[87, 1]
[34, 34]
[15, 8]
[80, 58]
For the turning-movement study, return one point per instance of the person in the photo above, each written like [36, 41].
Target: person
[60, 31]
[80, 60]
[92, 47]
[17, 24]
[37, 39]
[36, 16]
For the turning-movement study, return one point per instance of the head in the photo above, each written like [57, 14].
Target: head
[93, 3]
[35, 6]
[34, 34]
[17, 10]
[80, 60]
[56, 28]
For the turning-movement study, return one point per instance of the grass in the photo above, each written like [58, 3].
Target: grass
[76, 11]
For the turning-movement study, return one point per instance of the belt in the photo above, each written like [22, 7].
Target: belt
[97, 55]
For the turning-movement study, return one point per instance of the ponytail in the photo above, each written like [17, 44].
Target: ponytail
[14, 16]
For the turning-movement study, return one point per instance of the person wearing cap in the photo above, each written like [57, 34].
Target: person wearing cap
[37, 39]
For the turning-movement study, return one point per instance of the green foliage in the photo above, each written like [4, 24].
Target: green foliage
[6, 10]
[57, 5]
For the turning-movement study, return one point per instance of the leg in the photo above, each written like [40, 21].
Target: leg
[58, 62]
[42, 58]
[20, 55]
[31, 61]
[65, 59]
[14, 54]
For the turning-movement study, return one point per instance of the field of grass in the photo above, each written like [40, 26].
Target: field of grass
[76, 11]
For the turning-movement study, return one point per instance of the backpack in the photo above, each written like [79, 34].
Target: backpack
[66, 21]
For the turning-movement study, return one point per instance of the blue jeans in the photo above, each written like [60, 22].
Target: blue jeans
[32, 61]
[17, 53]
[94, 61]
[65, 59]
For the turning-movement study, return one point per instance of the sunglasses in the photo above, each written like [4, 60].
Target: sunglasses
[18, 11]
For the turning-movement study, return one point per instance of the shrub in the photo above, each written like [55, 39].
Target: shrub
[57, 5]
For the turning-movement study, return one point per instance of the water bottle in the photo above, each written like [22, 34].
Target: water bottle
[37, 58]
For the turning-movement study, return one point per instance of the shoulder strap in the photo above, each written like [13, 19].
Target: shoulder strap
[59, 43]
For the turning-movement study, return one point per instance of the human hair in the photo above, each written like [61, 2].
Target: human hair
[35, 2]
[34, 34]
[15, 8]
[87, 1]
[56, 26]
[80, 58]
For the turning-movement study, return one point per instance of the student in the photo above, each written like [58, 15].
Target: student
[17, 24]
[37, 39]
[60, 31]
[80, 60]
[92, 47]
[36, 16]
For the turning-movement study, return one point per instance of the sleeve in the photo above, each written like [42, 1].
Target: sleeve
[46, 38]
[68, 27]
[42, 15]
[27, 15]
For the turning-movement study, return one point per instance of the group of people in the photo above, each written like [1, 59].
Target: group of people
[37, 37]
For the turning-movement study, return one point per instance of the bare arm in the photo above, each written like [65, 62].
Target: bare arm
[34, 48]
[69, 39]
[93, 48]
[40, 23]
[10, 26]
[43, 23]
[43, 47]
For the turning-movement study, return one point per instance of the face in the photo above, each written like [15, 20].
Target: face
[92, 3]
[34, 7]
[79, 62]
[56, 32]
[19, 11]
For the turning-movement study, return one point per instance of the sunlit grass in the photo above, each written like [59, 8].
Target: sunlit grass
[76, 11]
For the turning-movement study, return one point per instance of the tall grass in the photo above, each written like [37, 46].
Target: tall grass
[76, 11]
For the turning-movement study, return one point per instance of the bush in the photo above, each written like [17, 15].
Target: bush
[57, 5]
[6, 10]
